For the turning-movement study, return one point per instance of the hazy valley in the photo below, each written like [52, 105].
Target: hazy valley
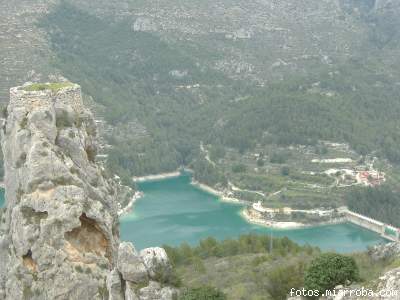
[289, 107]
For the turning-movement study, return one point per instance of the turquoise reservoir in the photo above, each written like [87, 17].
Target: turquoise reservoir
[173, 211]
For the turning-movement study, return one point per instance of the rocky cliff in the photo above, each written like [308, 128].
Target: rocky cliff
[60, 231]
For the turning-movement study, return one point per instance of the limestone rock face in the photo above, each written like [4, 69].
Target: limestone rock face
[386, 251]
[130, 264]
[389, 283]
[59, 234]
[130, 293]
[114, 285]
[155, 260]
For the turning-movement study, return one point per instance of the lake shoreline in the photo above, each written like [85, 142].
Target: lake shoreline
[270, 224]
[155, 177]
[128, 208]
[258, 220]
[162, 176]
[175, 211]
[221, 195]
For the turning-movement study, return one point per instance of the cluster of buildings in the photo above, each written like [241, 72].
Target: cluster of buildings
[348, 177]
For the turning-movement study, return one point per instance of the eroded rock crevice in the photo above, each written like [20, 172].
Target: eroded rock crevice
[29, 263]
[87, 238]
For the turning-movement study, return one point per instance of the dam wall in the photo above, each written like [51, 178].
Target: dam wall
[385, 230]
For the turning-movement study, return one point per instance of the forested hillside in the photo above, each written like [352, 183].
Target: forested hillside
[264, 86]
[290, 107]
[380, 203]
[170, 86]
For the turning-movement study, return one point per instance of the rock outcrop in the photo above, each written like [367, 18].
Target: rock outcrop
[386, 251]
[131, 265]
[60, 231]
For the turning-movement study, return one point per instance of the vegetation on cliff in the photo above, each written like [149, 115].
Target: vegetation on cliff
[202, 293]
[54, 86]
[245, 268]
[330, 270]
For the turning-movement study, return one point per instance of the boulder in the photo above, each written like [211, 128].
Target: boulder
[155, 260]
[130, 264]
[386, 251]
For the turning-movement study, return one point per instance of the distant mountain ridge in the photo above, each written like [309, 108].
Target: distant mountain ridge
[295, 34]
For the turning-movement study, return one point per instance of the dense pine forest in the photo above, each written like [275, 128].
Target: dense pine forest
[130, 74]
[380, 203]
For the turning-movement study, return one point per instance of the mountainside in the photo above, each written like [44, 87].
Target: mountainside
[290, 103]
[59, 234]
[263, 87]
[169, 65]
[257, 40]
[24, 49]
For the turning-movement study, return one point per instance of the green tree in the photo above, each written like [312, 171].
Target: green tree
[240, 168]
[217, 152]
[283, 278]
[279, 158]
[285, 171]
[260, 162]
[329, 270]
[203, 293]
[167, 275]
